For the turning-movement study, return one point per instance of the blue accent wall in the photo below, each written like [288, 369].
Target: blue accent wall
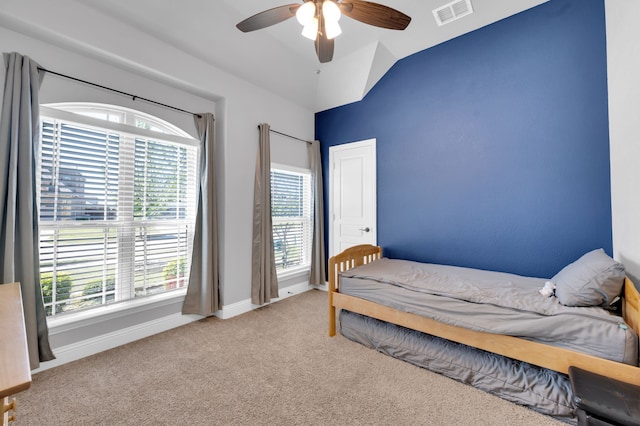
[493, 148]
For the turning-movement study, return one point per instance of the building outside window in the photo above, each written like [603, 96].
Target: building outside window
[117, 205]
[291, 204]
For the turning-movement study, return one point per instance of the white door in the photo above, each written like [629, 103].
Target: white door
[352, 202]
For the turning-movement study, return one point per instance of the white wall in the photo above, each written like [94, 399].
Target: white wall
[241, 106]
[623, 68]
[67, 37]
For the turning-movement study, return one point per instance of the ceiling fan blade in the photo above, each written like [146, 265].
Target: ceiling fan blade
[375, 14]
[268, 18]
[324, 46]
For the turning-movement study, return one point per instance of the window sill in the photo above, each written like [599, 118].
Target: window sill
[293, 272]
[72, 320]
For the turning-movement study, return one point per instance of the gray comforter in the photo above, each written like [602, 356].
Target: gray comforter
[494, 302]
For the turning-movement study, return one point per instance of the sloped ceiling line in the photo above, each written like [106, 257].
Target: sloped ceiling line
[278, 58]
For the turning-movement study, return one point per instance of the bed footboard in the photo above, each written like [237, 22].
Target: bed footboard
[631, 305]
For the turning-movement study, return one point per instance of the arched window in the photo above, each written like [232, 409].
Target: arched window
[117, 205]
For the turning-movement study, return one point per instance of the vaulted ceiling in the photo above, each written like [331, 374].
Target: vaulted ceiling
[280, 59]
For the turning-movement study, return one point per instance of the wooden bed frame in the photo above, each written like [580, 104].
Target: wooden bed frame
[557, 359]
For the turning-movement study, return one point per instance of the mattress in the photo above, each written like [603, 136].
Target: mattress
[492, 302]
[539, 389]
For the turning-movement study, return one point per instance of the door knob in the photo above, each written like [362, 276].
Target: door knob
[365, 229]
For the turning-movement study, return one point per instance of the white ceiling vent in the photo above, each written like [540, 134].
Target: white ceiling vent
[452, 11]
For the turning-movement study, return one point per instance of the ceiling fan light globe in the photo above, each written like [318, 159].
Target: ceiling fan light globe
[306, 13]
[330, 11]
[332, 28]
[310, 30]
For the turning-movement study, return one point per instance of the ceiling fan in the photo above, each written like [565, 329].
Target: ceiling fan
[320, 20]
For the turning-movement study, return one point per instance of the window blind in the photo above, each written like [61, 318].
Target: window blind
[291, 216]
[117, 212]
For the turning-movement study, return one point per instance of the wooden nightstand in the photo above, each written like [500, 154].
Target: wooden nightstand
[15, 372]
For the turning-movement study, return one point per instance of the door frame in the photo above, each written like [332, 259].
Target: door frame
[332, 151]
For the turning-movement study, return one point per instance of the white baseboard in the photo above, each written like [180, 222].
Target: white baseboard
[244, 306]
[323, 287]
[103, 342]
[114, 339]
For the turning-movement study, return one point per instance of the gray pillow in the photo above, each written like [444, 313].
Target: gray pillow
[594, 279]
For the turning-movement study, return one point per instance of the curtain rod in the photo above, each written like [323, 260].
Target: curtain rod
[133, 97]
[289, 136]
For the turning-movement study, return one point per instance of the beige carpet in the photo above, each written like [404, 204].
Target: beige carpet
[272, 366]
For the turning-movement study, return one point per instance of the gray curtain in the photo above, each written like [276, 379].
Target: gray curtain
[203, 292]
[318, 274]
[264, 280]
[19, 238]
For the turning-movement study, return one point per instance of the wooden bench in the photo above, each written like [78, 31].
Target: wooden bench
[15, 371]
